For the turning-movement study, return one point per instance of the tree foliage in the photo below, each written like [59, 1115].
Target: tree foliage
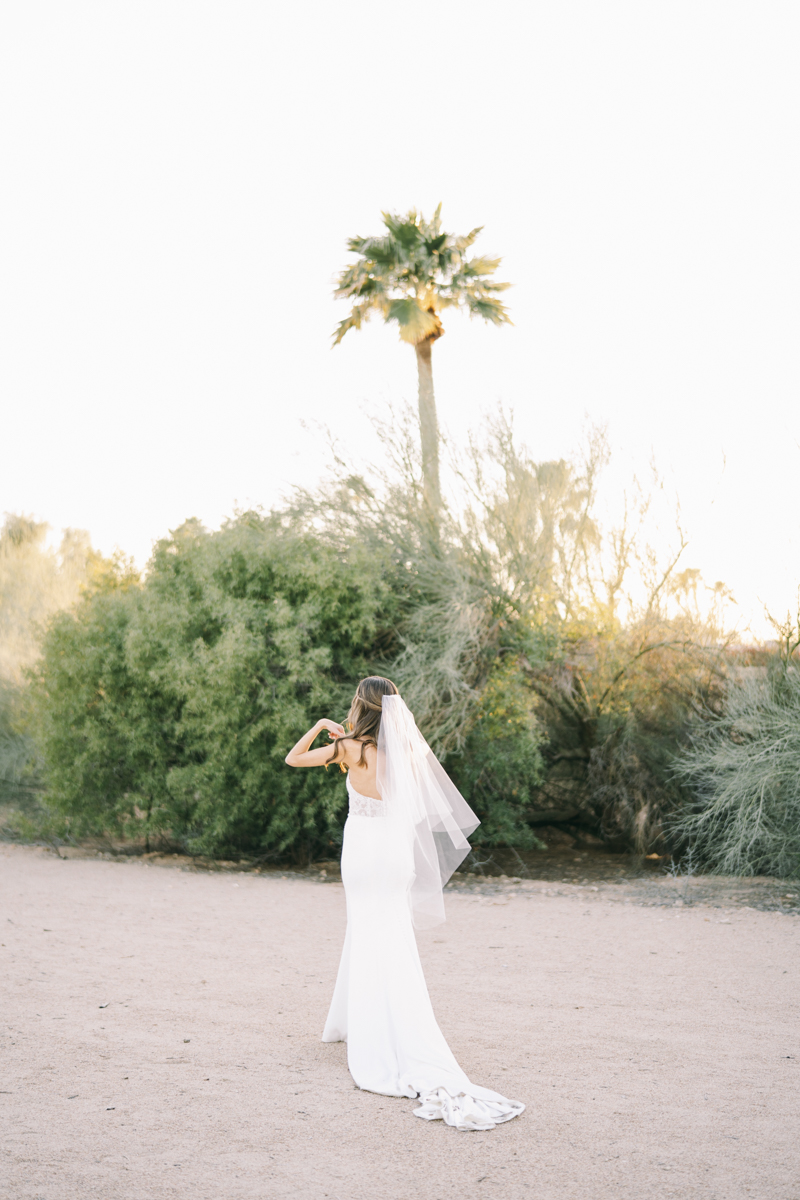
[168, 708]
[413, 271]
[500, 765]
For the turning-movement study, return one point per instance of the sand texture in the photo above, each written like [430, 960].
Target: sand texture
[160, 1038]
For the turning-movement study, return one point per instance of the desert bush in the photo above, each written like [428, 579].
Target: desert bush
[611, 647]
[617, 701]
[500, 767]
[553, 663]
[20, 765]
[743, 768]
[167, 708]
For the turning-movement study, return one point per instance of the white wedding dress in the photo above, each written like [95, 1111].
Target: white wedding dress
[380, 1005]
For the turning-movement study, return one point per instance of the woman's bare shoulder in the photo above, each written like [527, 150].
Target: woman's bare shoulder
[352, 748]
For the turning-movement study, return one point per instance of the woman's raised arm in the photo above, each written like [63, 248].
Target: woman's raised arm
[301, 756]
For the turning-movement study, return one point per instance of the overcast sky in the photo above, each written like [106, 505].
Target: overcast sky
[179, 180]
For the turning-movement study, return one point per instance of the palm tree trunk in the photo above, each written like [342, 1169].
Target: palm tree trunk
[429, 431]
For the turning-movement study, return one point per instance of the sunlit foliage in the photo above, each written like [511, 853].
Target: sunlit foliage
[36, 581]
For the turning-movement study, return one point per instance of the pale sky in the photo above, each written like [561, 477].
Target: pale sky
[179, 180]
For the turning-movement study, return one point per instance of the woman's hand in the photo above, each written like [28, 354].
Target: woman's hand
[334, 729]
[302, 756]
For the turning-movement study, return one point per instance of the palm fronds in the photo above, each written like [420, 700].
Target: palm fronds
[412, 272]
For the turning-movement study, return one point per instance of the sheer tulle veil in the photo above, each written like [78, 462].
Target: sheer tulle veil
[425, 806]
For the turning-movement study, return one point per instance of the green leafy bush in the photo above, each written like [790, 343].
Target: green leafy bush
[19, 757]
[500, 767]
[168, 708]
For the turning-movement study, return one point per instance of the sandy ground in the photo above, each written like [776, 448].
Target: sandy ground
[160, 1038]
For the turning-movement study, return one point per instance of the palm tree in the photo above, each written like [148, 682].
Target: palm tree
[408, 275]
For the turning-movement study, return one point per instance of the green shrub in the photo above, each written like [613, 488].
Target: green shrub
[500, 767]
[19, 758]
[743, 766]
[617, 702]
[168, 708]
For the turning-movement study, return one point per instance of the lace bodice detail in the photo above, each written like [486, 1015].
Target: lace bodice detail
[363, 806]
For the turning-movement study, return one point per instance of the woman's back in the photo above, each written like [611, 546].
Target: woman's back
[362, 766]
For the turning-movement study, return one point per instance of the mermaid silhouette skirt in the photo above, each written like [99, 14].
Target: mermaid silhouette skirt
[380, 1004]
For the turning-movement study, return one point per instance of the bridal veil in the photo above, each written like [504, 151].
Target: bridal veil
[425, 808]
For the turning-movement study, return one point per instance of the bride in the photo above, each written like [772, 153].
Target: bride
[405, 834]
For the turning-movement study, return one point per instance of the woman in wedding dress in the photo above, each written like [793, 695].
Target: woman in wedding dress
[405, 834]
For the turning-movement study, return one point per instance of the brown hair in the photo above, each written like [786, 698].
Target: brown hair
[364, 718]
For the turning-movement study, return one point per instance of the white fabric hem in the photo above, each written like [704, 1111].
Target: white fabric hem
[464, 1112]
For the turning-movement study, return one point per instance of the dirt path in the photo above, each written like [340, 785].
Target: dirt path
[160, 1037]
